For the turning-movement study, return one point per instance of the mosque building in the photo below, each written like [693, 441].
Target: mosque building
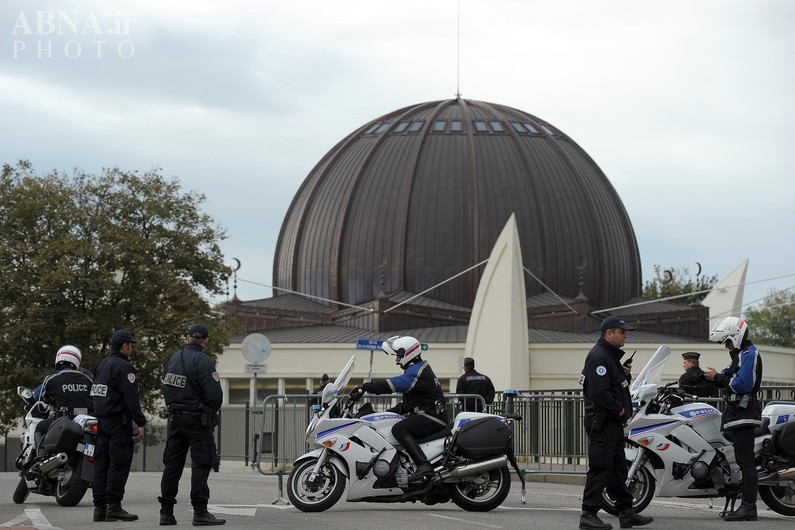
[390, 233]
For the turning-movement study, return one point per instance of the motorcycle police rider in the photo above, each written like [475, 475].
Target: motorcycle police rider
[423, 405]
[67, 388]
[742, 380]
[608, 406]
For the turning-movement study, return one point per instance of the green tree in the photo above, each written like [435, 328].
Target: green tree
[773, 322]
[677, 282]
[82, 255]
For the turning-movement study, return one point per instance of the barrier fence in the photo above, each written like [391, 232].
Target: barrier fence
[549, 437]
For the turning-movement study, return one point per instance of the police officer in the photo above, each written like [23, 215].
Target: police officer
[473, 382]
[66, 388]
[743, 414]
[193, 394]
[608, 406]
[693, 381]
[120, 423]
[423, 404]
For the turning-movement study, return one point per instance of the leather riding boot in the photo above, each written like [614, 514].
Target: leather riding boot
[117, 513]
[99, 513]
[37, 438]
[590, 521]
[201, 517]
[424, 469]
[747, 509]
[629, 518]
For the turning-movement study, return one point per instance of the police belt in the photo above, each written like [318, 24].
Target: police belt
[738, 397]
[189, 413]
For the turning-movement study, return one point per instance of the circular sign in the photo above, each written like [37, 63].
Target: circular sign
[256, 348]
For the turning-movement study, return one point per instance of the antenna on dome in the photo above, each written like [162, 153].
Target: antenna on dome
[458, 54]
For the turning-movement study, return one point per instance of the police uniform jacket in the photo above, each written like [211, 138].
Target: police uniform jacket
[473, 382]
[67, 388]
[194, 385]
[742, 377]
[693, 382]
[605, 386]
[115, 389]
[422, 391]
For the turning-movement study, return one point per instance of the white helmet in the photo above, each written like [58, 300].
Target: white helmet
[69, 354]
[730, 328]
[405, 348]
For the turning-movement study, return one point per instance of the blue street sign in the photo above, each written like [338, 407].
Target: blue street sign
[369, 344]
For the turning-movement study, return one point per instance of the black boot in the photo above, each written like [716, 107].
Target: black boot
[424, 470]
[201, 517]
[99, 513]
[167, 518]
[117, 513]
[747, 509]
[590, 521]
[629, 518]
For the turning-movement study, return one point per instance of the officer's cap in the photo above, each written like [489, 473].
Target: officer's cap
[614, 322]
[324, 378]
[691, 356]
[198, 331]
[121, 336]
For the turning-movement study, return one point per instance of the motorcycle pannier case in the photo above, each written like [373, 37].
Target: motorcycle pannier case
[786, 440]
[483, 437]
[62, 436]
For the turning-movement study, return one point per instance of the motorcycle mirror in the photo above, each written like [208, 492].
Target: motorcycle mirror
[24, 393]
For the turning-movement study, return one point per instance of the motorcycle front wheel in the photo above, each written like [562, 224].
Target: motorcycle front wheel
[641, 487]
[780, 499]
[22, 491]
[318, 495]
[482, 492]
[71, 488]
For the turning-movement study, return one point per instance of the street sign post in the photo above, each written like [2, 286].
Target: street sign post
[370, 345]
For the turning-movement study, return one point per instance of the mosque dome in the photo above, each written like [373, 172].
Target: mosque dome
[420, 195]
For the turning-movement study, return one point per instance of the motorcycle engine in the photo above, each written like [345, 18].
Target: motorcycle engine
[700, 470]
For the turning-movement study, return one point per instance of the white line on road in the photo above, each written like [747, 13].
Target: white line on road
[473, 523]
[38, 520]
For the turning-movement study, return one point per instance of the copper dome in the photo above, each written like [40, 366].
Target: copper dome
[421, 194]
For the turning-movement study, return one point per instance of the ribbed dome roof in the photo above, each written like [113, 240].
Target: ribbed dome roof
[421, 194]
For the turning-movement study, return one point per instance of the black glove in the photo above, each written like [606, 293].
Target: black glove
[357, 393]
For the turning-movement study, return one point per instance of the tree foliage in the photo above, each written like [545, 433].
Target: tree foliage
[82, 255]
[773, 322]
[676, 282]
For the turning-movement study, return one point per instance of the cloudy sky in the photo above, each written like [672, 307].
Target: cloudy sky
[686, 106]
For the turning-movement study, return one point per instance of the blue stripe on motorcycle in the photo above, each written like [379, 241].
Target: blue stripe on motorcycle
[635, 432]
[323, 434]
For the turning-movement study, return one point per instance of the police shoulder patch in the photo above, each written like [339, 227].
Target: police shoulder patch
[601, 370]
[216, 376]
[131, 377]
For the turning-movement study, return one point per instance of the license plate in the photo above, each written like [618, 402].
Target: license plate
[88, 449]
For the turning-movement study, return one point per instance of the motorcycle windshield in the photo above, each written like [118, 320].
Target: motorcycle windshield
[652, 372]
[345, 375]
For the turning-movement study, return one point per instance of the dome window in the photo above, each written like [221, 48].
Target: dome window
[480, 126]
[496, 126]
[382, 128]
[530, 128]
[440, 126]
[415, 126]
[402, 126]
[456, 126]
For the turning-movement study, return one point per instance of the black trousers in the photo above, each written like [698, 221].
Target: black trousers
[186, 432]
[607, 464]
[112, 460]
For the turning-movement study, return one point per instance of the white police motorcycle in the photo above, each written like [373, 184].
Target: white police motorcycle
[470, 460]
[676, 447]
[61, 464]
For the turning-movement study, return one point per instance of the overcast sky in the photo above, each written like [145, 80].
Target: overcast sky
[687, 106]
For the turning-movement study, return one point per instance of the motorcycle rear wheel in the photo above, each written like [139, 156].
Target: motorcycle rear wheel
[70, 489]
[642, 489]
[780, 499]
[317, 497]
[482, 492]
[22, 491]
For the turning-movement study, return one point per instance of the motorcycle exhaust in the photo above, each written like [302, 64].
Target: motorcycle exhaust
[53, 462]
[471, 469]
[776, 476]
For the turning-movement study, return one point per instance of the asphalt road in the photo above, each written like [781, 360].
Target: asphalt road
[248, 499]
